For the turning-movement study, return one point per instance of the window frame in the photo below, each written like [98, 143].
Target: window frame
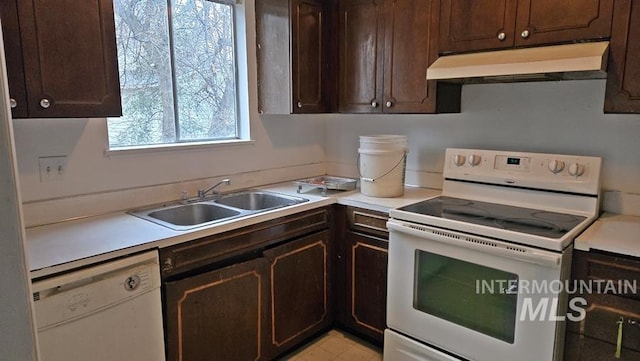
[241, 101]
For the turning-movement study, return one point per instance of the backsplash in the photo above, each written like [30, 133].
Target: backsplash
[66, 208]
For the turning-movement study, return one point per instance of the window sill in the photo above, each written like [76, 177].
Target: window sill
[173, 147]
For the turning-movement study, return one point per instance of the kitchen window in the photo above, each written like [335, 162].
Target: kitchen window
[178, 66]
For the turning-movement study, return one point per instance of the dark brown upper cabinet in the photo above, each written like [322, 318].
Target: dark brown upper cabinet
[13, 55]
[496, 24]
[61, 58]
[295, 52]
[386, 47]
[623, 71]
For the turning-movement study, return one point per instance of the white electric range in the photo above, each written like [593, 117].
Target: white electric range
[478, 273]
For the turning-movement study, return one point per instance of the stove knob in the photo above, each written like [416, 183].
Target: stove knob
[556, 166]
[459, 160]
[474, 160]
[576, 169]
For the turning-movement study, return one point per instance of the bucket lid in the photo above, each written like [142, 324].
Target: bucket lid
[383, 138]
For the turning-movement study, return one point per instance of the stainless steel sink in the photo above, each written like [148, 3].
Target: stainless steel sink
[186, 216]
[258, 200]
[206, 212]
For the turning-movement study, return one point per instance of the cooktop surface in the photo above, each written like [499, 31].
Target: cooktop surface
[518, 219]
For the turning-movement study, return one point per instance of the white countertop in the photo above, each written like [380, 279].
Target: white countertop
[67, 245]
[616, 233]
[411, 195]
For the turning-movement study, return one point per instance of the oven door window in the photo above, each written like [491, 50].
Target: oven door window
[477, 297]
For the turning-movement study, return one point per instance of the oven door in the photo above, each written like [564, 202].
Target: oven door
[476, 297]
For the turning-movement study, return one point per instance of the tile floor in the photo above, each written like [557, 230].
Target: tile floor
[338, 346]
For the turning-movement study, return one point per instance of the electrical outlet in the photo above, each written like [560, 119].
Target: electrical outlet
[52, 169]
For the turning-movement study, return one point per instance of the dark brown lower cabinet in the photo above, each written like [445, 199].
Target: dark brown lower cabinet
[254, 310]
[219, 315]
[595, 337]
[300, 291]
[361, 272]
[367, 285]
[582, 348]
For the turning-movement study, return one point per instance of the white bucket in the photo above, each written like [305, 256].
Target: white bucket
[382, 161]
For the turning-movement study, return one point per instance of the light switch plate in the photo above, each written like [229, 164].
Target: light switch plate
[52, 169]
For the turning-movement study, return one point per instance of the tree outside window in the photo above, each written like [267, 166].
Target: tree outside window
[177, 72]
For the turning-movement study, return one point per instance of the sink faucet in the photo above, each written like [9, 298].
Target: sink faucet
[203, 192]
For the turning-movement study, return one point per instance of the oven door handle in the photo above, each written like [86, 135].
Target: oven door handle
[477, 243]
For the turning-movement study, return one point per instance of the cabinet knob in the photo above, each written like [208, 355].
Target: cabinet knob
[13, 103]
[374, 104]
[45, 103]
[299, 104]
[389, 104]
[525, 33]
[167, 265]
[502, 36]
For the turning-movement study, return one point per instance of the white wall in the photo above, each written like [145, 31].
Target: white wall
[548, 117]
[280, 142]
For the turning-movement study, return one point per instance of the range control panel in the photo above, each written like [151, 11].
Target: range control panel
[566, 173]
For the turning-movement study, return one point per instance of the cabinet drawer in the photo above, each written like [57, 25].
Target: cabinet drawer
[367, 221]
[203, 252]
[591, 266]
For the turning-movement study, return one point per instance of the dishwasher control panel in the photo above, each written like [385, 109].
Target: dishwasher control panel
[73, 295]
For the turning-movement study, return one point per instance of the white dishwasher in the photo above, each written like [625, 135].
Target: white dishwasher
[111, 311]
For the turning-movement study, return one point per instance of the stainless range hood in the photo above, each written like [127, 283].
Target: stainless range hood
[557, 62]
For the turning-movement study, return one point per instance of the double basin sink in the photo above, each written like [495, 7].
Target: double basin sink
[222, 208]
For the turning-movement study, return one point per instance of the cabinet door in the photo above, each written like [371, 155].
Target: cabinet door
[367, 259]
[13, 53]
[409, 51]
[308, 71]
[70, 58]
[296, 56]
[273, 56]
[581, 348]
[300, 290]
[623, 71]
[219, 315]
[552, 21]
[595, 336]
[467, 25]
[361, 56]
